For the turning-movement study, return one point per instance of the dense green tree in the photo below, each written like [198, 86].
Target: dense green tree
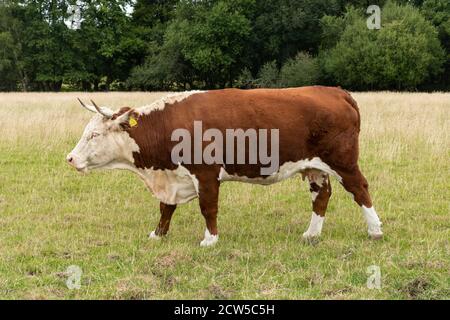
[166, 70]
[438, 12]
[282, 28]
[10, 62]
[188, 44]
[108, 41]
[212, 38]
[302, 70]
[8, 74]
[269, 75]
[245, 80]
[150, 17]
[401, 55]
[162, 66]
[46, 42]
[204, 46]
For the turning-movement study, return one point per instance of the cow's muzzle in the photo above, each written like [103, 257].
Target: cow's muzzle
[74, 162]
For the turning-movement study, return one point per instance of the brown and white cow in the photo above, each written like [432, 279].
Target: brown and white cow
[318, 138]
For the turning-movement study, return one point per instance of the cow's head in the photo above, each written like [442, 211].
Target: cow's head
[105, 143]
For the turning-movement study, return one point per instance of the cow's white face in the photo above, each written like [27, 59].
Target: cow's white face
[103, 145]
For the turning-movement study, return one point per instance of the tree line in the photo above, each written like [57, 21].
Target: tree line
[54, 45]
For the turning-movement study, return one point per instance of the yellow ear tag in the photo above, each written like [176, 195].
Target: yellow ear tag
[133, 122]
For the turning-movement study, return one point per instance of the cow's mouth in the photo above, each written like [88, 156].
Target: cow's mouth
[82, 170]
[85, 168]
[88, 168]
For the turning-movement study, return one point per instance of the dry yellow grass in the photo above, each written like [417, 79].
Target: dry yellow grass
[394, 119]
[45, 116]
[51, 218]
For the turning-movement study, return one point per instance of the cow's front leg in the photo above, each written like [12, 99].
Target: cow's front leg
[209, 198]
[164, 222]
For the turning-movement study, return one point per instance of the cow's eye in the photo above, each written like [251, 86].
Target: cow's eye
[94, 135]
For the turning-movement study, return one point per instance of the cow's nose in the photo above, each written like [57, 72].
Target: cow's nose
[70, 159]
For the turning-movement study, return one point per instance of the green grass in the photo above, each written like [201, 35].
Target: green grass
[52, 218]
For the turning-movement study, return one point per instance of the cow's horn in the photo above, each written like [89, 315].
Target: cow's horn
[90, 108]
[103, 111]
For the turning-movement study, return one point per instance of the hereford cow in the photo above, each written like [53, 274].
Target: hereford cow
[314, 132]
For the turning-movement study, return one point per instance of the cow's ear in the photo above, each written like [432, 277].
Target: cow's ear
[127, 118]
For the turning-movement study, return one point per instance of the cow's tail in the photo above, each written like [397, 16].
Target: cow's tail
[354, 104]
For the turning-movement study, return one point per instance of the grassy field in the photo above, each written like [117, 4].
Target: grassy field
[52, 218]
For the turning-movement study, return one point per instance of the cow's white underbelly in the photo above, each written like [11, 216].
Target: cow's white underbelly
[171, 187]
[180, 186]
[286, 171]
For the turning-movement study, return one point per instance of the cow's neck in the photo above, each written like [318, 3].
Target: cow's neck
[151, 137]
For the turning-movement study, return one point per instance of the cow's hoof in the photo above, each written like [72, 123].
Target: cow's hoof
[376, 236]
[311, 238]
[153, 236]
[210, 240]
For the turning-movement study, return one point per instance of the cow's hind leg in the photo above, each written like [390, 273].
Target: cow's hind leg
[320, 188]
[164, 222]
[355, 183]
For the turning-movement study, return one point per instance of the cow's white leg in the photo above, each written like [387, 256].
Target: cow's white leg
[209, 240]
[153, 236]
[355, 183]
[315, 227]
[320, 188]
[373, 222]
[208, 199]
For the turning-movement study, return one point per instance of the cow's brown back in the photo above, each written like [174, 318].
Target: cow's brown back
[312, 121]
